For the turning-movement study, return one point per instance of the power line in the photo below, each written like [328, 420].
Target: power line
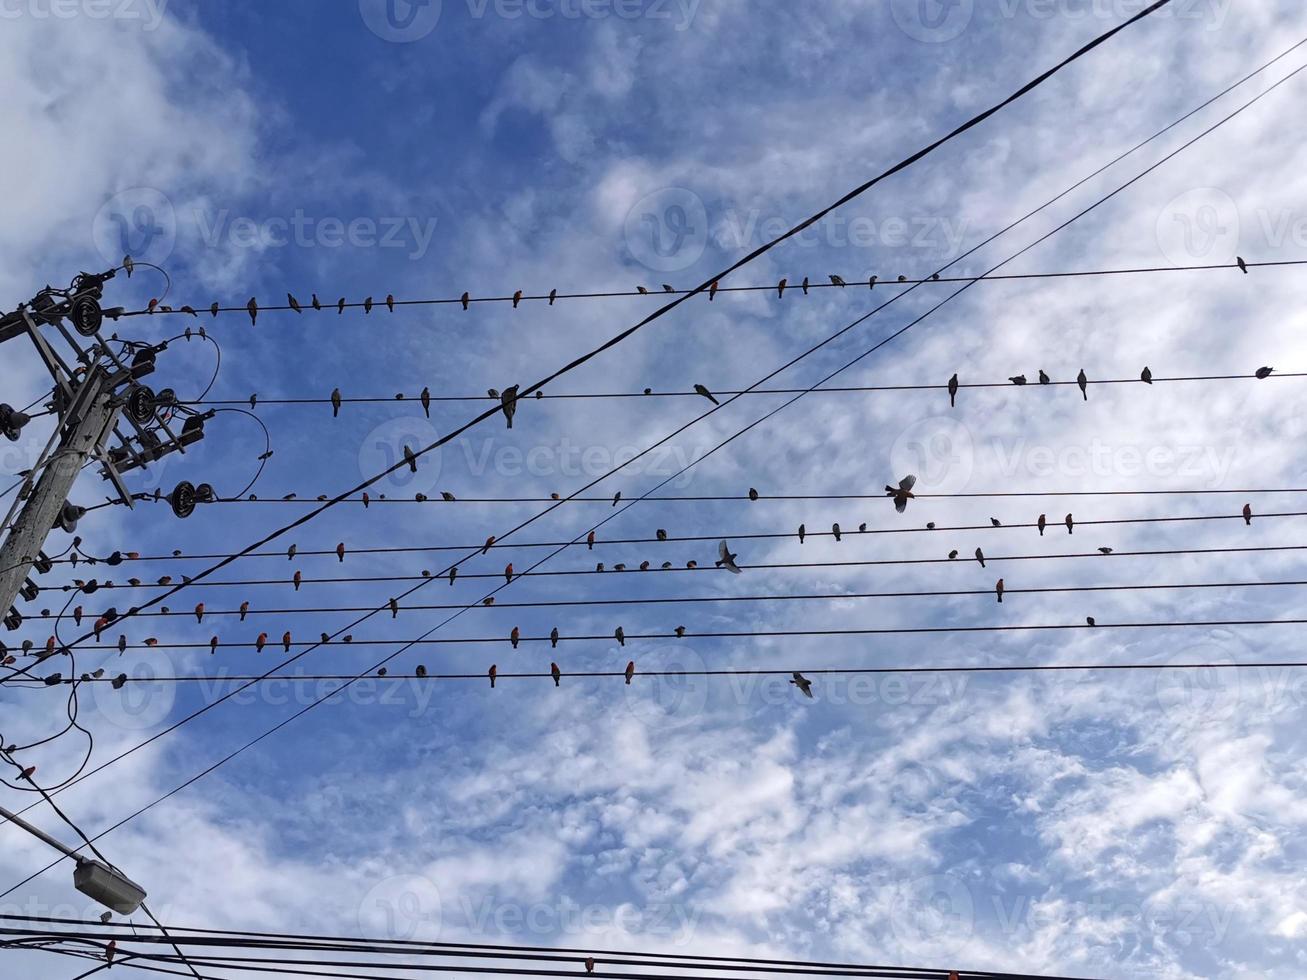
[791, 286]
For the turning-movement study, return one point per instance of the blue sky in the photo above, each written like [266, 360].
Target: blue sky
[1086, 823]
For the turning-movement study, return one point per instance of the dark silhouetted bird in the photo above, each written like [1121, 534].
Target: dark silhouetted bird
[802, 683]
[1248, 514]
[712, 291]
[1070, 524]
[1091, 621]
[1146, 376]
[1264, 372]
[1042, 523]
[1243, 266]
[293, 302]
[553, 637]
[835, 530]
[952, 555]
[780, 288]
[836, 281]
[706, 394]
[980, 557]
[953, 391]
[1105, 551]
[555, 673]
[1083, 381]
[902, 493]
[335, 402]
[803, 532]
[630, 670]
[426, 401]
[621, 636]
[1019, 379]
[727, 560]
[753, 494]
[1044, 378]
[508, 402]
[253, 307]
[994, 522]
[998, 589]
[514, 637]
[493, 673]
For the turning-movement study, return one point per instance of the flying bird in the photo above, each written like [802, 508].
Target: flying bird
[953, 391]
[727, 560]
[902, 493]
[802, 683]
[706, 394]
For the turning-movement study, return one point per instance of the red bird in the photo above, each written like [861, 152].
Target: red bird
[712, 291]
[590, 541]
[998, 588]
[285, 641]
[490, 543]
[589, 964]
[630, 670]
[199, 612]
[340, 552]
[508, 572]
[494, 672]
[555, 673]
[245, 608]
[298, 578]
[514, 637]
[259, 643]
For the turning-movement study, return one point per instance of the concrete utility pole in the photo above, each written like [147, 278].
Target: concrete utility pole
[87, 422]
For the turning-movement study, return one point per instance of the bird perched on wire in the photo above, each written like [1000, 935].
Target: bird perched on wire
[727, 560]
[340, 552]
[802, 683]
[260, 642]
[590, 541]
[244, 610]
[335, 402]
[660, 534]
[998, 589]
[621, 636]
[589, 964]
[1018, 380]
[393, 604]
[508, 401]
[1146, 376]
[285, 641]
[296, 579]
[293, 303]
[1044, 378]
[313, 299]
[706, 393]
[490, 543]
[836, 281]
[555, 673]
[780, 288]
[1243, 266]
[1104, 551]
[753, 494]
[835, 530]
[1041, 524]
[1083, 381]
[995, 522]
[630, 671]
[1264, 372]
[712, 291]
[492, 674]
[953, 391]
[1248, 514]
[514, 637]
[553, 638]
[803, 532]
[980, 557]
[199, 612]
[902, 493]
[1070, 524]
[508, 572]
[253, 308]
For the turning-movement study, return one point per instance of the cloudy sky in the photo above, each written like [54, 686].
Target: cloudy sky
[1118, 824]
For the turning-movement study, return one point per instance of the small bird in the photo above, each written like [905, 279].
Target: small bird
[366, 500]
[285, 641]
[1083, 381]
[411, 459]
[621, 636]
[1020, 379]
[1070, 524]
[1042, 523]
[517, 298]
[660, 534]
[291, 552]
[617, 497]
[394, 608]
[630, 671]
[952, 555]
[1248, 514]
[294, 303]
[490, 543]
[980, 557]
[335, 403]
[871, 283]
[465, 299]
[260, 642]
[199, 612]
[1044, 378]
[1105, 551]
[426, 401]
[902, 493]
[590, 541]
[712, 291]
[447, 497]
[128, 265]
[296, 579]
[642, 291]
[213, 645]
[727, 560]
[340, 306]
[753, 494]
[421, 671]
[213, 309]
[998, 589]
[514, 637]
[994, 522]
[340, 552]
[553, 295]
[836, 281]
[1091, 621]
[835, 530]
[953, 391]
[493, 673]
[589, 964]
[313, 299]
[780, 288]
[805, 285]
[508, 401]
[706, 394]
[253, 307]
[1264, 372]
[367, 305]
[1146, 376]
[553, 638]
[802, 683]
[244, 610]
[803, 531]
[555, 673]
[680, 631]
[1243, 266]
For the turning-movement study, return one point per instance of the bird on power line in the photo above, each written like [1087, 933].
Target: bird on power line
[390, 302]
[199, 612]
[952, 554]
[805, 285]
[642, 291]
[367, 305]
[1044, 378]
[285, 641]
[508, 573]
[426, 401]
[590, 541]
[465, 299]
[446, 496]
[253, 308]
[1146, 376]
[394, 608]
[340, 552]
[1070, 524]
[835, 530]
[1091, 621]
[1041, 524]
[780, 288]
[953, 391]
[340, 306]
[508, 401]
[313, 299]
[706, 393]
[995, 522]
[1264, 372]
[630, 671]
[293, 303]
[260, 642]
[621, 636]
[453, 573]
[411, 459]
[803, 531]
[514, 637]
[902, 493]
[291, 552]
[1018, 380]
[296, 579]
[753, 494]
[712, 291]
[1243, 266]
[553, 638]
[727, 560]
[998, 589]
[679, 631]
[1248, 514]
[617, 497]
[555, 673]
[661, 534]
[980, 557]
[1105, 551]
[335, 403]
[836, 280]
[244, 610]
[1083, 381]
[802, 683]
[492, 674]
[490, 543]
[517, 298]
